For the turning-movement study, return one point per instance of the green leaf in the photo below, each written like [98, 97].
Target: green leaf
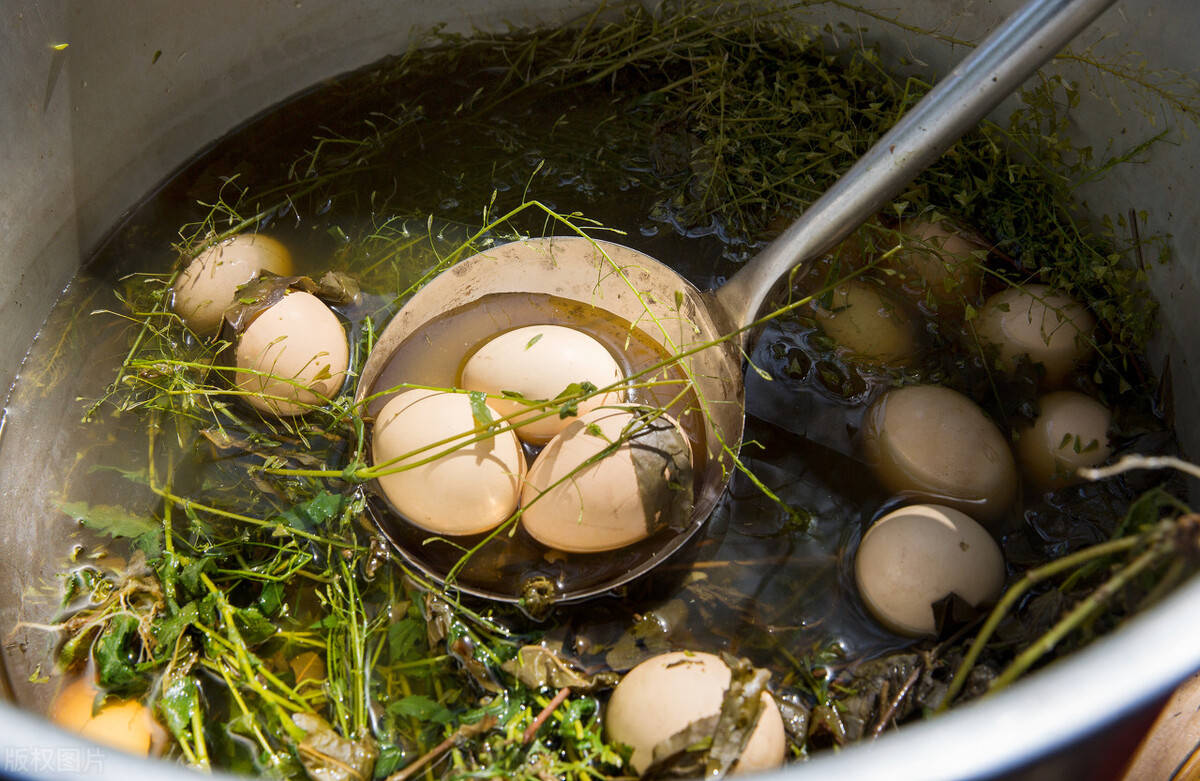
[536, 338]
[311, 515]
[253, 626]
[571, 408]
[270, 599]
[167, 630]
[115, 655]
[180, 698]
[479, 409]
[111, 520]
[391, 759]
[420, 707]
[404, 640]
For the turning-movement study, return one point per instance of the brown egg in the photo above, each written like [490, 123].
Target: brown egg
[1054, 330]
[868, 322]
[932, 443]
[466, 491]
[1070, 431]
[208, 286]
[625, 496]
[293, 356]
[918, 555]
[122, 724]
[540, 362]
[663, 695]
[940, 261]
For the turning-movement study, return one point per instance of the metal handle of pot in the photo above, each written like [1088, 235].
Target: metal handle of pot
[1014, 50]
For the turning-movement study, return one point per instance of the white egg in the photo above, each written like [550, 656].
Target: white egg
[1070, 431]
[941, 262]
[468, 490]
[866, 321]
[208, 286]
[293, 356]
[916, 556]
[644, 484]
[122, 724]
[1054, 330]
[932, 443]
[540, 362]
[664, 694]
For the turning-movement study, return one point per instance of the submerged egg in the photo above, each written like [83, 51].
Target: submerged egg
[539, 362]
[1070, 431]
[643, 485]
[122, 724]
[293, 356]
[941, 262]
[664, 694]
[916, 556]
[467, 490]
[1054, 330]
[208, 286]
[865, 320]
[932, 443]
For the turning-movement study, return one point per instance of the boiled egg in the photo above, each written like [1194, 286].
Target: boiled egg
[1054, 330]
[467, 490]
[582, 497]
[867, 322]
[933, 443]
[1070, 432]
[664, 694]
[122, 724]
[941, 262]
[293, 356]
[539, 362]
[916, 556]
[208, 286]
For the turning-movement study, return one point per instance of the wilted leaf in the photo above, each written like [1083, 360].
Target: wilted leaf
[539, 667]
[327, 756]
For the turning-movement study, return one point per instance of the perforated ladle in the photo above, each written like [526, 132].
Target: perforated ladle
[641, 290]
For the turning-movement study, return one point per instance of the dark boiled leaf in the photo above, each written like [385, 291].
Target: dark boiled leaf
[537, 667]
[327, 756]
[405, 640]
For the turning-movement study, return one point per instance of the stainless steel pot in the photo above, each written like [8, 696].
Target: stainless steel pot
[90, 128]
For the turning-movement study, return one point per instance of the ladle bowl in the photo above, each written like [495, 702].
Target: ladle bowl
[668, 309]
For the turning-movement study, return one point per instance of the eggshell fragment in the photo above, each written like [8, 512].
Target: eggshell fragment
[940, 261]
[294, 355]
[866, 321]
[664, 694]
[468, 490]
[916, 556]
[932, 443]
[540, 362]
[1054, 330]
[122, 724]
[208, 286]
[642, 486]
[1070, 431]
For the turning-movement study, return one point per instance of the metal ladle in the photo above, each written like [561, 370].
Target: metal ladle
[666, 307]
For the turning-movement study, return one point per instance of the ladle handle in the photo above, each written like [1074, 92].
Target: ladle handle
[1014, 50]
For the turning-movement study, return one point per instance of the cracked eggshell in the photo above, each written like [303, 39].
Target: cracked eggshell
[644, 485]
[666, 693]
[932, 443]
[122, 724]
[868, 322]
[466, 491]
[1070, 431]
[1054, 330]
[295, 354]
[916, 556]
[208, 286]
[539, 362]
